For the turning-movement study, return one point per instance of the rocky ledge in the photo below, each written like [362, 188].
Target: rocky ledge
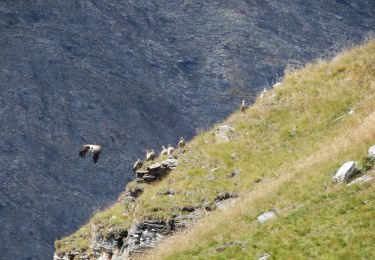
[156, 171]
[142, 235]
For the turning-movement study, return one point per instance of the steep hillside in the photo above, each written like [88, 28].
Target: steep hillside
[279, 156]
[130, 75]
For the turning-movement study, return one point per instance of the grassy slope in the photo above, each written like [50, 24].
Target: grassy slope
[287, 146]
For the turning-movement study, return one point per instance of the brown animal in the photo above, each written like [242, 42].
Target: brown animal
[164, 151]
[137, 165]
[244, 107]
[150, 155]
[170, 149]
[181, 143]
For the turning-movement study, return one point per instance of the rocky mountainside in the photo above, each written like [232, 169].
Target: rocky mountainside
[131, 75]
[290, 176]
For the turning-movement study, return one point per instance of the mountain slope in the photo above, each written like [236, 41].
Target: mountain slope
[280, 156]
[131, 75]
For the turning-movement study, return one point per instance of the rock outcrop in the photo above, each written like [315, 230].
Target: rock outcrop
[266, 216]
[371, 152]
[140, 237]
[346, 172]
[156, 171]
[223, 132]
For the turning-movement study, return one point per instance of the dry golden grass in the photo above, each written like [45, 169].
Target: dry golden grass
[358, 135]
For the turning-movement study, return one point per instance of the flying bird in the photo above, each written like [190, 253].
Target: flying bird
[95, 149]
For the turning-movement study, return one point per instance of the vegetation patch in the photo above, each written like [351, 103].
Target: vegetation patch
[281, 156]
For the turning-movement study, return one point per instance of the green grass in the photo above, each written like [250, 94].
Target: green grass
[286, 148]
[317, 219]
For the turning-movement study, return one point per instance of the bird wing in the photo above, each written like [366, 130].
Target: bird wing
[96, 154]
[84, 150]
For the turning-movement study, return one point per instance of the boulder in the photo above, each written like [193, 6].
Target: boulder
[156, 167]
[266, 216]
[346, 172]
[222, 133]
[371, 152]
[225, 204]
[170, 163]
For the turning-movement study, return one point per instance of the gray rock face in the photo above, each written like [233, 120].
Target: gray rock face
[156, 171]
[266, 216]
[131, 75]
[140, 237]
[170, 163]
[346, 172]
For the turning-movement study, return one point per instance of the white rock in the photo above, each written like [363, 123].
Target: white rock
[170, 163]
[264, 257]
[371, 152]
[225, 204]
[351, 112]
[224, 129]
[346, 172]
[361, 179]
[222, 132]
[278, 84]
[266, 216]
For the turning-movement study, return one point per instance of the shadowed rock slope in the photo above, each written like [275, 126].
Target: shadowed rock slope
[131, 75]
[259, 183]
